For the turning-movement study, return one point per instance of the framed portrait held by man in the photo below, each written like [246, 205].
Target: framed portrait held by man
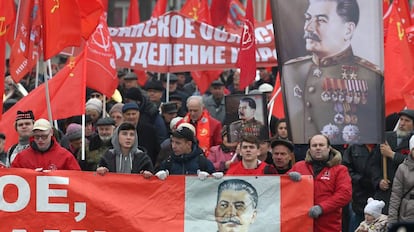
[331, 53]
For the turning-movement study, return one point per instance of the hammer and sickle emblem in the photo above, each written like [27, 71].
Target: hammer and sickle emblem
[55, 7]
[247, 37]
[2, 25]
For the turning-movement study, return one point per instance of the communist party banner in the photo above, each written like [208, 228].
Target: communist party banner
[75, 201]
[176, 43]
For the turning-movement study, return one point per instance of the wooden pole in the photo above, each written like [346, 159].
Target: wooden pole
[384, 168]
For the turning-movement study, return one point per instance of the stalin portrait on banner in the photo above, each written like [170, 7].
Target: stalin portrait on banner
[332, 91]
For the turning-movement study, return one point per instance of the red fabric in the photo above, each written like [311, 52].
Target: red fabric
[203, 79]
[24, 51]
[332, 191]
[61, 26]
[133, 13]
[219, 11]
[236, 16]
[198, 10]
[268, 11]
[408, 93]
[8, 15]
[58, 156]
[239, 169]
[399, 57]
[246, 59]
[100, 57]
[90, 13]
[67, 98]
[278, 109]
[159, 9]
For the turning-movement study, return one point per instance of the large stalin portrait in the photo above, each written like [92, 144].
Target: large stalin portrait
[332, 91]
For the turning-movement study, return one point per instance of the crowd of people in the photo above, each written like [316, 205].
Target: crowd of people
[145, 135]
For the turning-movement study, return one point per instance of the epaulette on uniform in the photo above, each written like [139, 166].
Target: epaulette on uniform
[366, 64]
[298, 59]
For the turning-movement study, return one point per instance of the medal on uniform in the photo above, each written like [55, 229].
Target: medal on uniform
[349, 93]
[334, 93]
[325, 96]
[344, 73]
[353, 74]
[341, 92]
[339, 117]
[297, 92]
[350, 134]
[364, 96]
[347, 109]
[357, 94]
[317, 72]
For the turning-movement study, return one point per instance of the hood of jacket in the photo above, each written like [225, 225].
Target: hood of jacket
[117, 146]
[335, 157]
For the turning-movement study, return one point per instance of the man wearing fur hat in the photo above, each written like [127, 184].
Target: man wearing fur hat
[23, 125]
[395, 150]
[374, 221]
[332, 183]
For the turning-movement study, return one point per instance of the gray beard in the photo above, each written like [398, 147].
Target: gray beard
[105, 138]
[402, 134]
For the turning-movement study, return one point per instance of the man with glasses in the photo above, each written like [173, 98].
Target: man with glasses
[44, 152]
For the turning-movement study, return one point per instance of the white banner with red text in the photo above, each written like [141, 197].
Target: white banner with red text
[74, 201]
[176, 43]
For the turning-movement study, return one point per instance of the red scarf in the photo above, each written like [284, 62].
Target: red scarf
[202, 130]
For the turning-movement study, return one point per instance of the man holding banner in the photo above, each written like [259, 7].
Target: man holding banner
[332, 91]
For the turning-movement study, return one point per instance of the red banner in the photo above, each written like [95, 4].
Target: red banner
[66, 201]
[176, 43]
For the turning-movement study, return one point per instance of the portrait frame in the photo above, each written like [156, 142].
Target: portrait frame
[307, 111]
[232, 115]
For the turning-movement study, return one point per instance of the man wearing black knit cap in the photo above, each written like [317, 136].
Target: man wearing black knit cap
[23, 125]
[395, 150]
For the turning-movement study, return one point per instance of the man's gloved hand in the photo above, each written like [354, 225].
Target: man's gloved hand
[217, 175]
[202, 175]
[162, 175]
[315, 211]
[295, 176]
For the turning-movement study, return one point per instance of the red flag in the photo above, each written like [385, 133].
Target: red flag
[219, 10]
[7, 17]
[26, 48]
[62, 26]
[268, 11]
[385, 6]
[67, 98]
[159, 9]
[246, 59]
[278, 109]
[399, 57]
[100, 56]
[408, 93]
[90, 13]
[203, 79]
[198, 10]
[133, 13]
[236, 17]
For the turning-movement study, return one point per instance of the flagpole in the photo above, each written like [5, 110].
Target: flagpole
[49, 109]
[271, 104]
[167, 92]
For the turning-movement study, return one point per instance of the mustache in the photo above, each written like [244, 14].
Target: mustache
[312, 36]
[229, 220]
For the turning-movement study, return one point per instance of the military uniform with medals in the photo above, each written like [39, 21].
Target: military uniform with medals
[240, 128]
[340, 97]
